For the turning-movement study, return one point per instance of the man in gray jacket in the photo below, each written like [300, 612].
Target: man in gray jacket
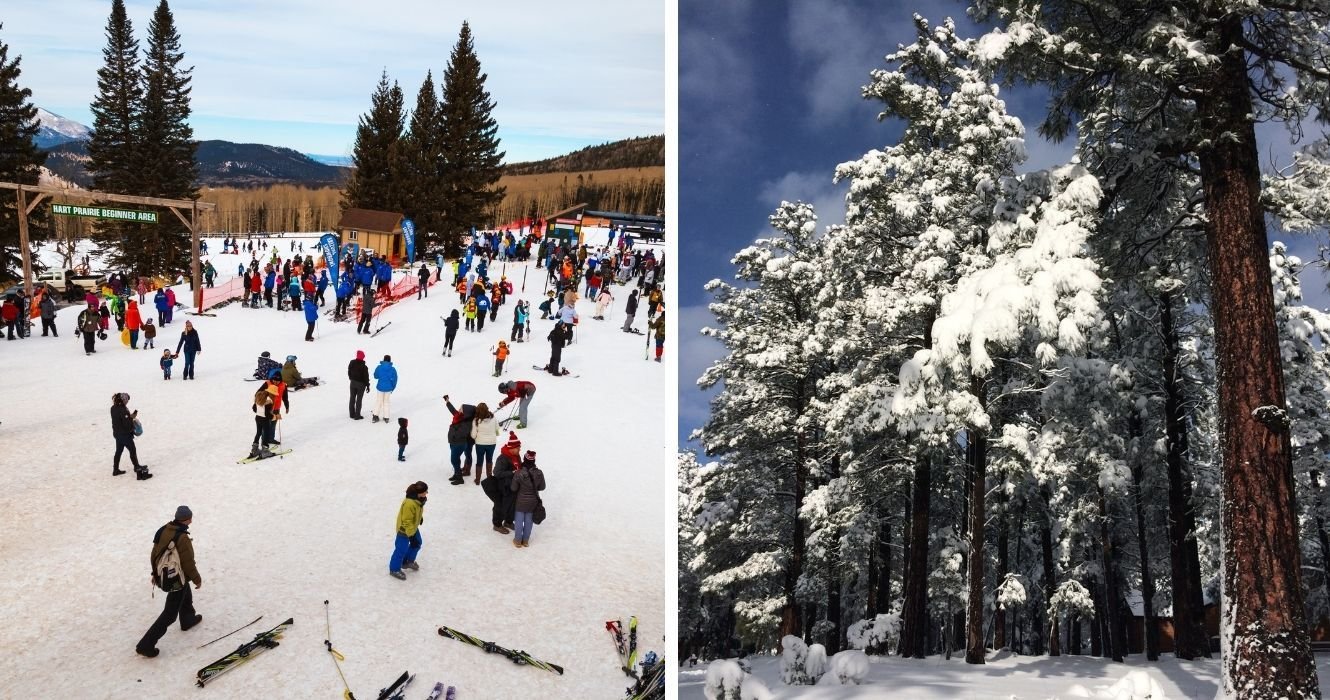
[47, 306]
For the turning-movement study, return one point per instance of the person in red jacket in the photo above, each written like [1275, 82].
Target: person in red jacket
[255, 286]
[9, 313]
[521, 391]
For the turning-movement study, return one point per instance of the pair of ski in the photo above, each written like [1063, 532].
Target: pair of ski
[264, 455]
[261, 643]
[652, 684]
[563, 372]
[627, 652]
[518, 657]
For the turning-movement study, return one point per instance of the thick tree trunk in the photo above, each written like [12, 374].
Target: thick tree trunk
[835, 634]
[790, 623]
[1074, 634]
[915, 613]
[1116, 647]
[1267, 650]
[1189, 639]
[1046, 546]
[976, 448]
[1147, 578]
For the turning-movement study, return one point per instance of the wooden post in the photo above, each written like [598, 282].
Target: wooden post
[194, 259]
[23, 249]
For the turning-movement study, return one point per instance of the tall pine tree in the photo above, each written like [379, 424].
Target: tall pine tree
[422, 166]
[166, 149]
[470, 144]
[373, 183]
[116, 116]
[19, 159]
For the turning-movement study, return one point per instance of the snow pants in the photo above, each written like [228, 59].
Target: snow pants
[628, 323]
[179, 605]
[405, 549]
[48, 324]
[523, 404]
[382, 404]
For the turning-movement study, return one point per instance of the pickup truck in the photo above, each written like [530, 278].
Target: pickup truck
[59, 278]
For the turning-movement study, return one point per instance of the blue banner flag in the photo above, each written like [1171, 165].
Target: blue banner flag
[409, 233]
[328, 243]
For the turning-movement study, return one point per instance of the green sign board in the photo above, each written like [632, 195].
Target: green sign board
[105, 213]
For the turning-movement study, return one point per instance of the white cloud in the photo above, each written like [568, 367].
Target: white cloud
[816, 188]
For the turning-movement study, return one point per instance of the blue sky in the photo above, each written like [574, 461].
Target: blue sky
[299, 73]
[769, 104]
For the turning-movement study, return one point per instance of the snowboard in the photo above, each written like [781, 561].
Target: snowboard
[308, 382]
[273, 453]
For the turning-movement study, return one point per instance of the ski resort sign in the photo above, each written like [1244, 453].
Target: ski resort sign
[105, 213]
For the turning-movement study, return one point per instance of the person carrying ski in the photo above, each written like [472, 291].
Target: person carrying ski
[520, 315]
[385, 377]
[122, 428]
[358, 372]
[169, 544]
[409, 519]
[520, 391]
[500, 354]
[423, 287]
[189, 340]
[401, 439]
[527, 482]
[459, 439]
[450, 325]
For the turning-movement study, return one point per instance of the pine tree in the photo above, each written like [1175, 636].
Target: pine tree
[167, 147]
[422, 167]
[113, 147]
[470, 144]
[374, 182]
[20, 161]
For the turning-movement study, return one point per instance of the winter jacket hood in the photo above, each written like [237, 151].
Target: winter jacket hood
[385, 376]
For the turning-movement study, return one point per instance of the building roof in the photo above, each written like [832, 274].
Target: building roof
[370, 220]
[569, 212]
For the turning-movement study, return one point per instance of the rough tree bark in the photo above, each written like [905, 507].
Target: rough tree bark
[1116, 647]
[915, 614]
[1050, 584]
[1000, 615]
[976, 449]
[1267, 649]
[1189, 639]
[1147, 578]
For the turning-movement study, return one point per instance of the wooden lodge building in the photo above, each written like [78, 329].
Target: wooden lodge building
[379, 232]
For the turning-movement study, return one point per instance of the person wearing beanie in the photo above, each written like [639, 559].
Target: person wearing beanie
[385, 378]
[527, 482]
[172, 539]
[401, 439]
[631, 309]
[500, 354]
[498, 487]
[409, 518]
[358, 372]
[520, 391]
[459, 439]
[450, 325]
[122, 428]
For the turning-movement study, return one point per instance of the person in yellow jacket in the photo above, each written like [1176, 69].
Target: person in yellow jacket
[470, 313]
[409, 518]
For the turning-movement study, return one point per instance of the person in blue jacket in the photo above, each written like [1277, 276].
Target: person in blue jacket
[321, 285]
[311, 315]
[293, 289]
[483, 269]
[385, 380]
[384, 272]
[438, 264]
[482, 310]
[344, 287]
[159, 301]
[365, 274]
[269, 280]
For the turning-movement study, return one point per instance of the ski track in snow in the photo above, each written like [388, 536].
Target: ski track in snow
[278, 537]
[1004, 677]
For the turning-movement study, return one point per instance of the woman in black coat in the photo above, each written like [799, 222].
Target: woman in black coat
[122, 427]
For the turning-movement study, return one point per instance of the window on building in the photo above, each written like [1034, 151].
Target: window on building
[355, 236]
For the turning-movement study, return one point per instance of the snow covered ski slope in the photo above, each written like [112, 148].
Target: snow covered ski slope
[277, 537]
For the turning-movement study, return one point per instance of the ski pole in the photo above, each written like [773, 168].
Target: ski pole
[336, 655]
[228, 634]
[524, 277]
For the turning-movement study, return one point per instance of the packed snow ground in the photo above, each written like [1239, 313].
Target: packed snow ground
[1004, 676]
[278, 537]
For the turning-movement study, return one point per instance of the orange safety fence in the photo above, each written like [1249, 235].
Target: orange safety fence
[212, 296]
[397, 291]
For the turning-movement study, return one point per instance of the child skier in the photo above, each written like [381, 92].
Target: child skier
[470, 313]
[166, 362]
[500, 354]
[401, 439]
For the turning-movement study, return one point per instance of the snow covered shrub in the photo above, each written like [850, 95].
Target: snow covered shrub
[849, 667]
[793, 661]
[723, 680]
[816, 665]
[754, 689]
[1071, 596]
[1011, 593]
[881, 631]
